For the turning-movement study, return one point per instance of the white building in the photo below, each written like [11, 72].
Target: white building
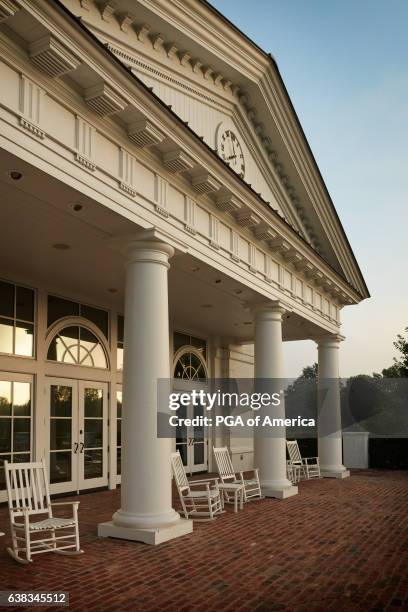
[152, 166]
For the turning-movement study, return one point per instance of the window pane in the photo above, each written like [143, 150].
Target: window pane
[119, 404]
[98, 357]
[88, 342]
[119, 461]
[121, 324]
[25, 304]
[198, 453]
[93, 400]
[93, 433]
[201, 345]
[196, 367]
[21, 457]
[24, 339]
[22, 399]
[66, 348]
[6, 336]
[119, 359]
[5, 398]
[60, 466]
[181, 430]
[5, 435]
[182, 449]
[61, 401]
[58, 308]
[182, 369]
[21, 435]
[60, 434]
[93, 464]
[3, 458]
[180, 340]
[119, 433]
[97, 316]
[6, 299]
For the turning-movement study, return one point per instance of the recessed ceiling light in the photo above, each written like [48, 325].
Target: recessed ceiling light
[247, 322]
[195, 268]
[113, 290]
[16, 175]
[238, 291]
[207, 306]
[61, 246]
[217, 280]
[76, 206]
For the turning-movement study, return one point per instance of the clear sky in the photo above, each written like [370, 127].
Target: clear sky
[345, 65]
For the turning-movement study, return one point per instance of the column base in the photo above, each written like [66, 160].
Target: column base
[152, 536]
[279, 492]
[334, 473]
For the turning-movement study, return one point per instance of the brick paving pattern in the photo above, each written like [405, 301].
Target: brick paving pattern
[338, 545]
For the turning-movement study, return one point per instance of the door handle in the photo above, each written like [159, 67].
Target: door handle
[76, 448]
[81, 450]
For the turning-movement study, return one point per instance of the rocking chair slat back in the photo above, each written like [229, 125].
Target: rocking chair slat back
[27, 487]
[179, 471]
[294, 452]
[224, 463]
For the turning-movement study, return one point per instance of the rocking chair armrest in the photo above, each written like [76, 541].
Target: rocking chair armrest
[255, 471]
[74, 503]
[207, 485]
[205, 480]
[306, 459]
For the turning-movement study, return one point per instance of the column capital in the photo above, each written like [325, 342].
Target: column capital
[329, 340]
[271, 310]
[146, 245]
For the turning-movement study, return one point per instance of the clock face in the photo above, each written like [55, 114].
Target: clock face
[230, 150]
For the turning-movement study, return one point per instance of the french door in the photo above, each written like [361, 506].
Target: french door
[192, 440]
[78, 434]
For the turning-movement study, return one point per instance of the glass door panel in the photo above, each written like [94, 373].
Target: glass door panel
[199, 443]
[93, 435]
[15, 421]
[63, 407]
[191, 441]
[182, 439]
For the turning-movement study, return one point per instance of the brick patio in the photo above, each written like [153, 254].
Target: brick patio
[339, 545]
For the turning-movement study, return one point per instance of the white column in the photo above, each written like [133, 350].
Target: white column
[146, 512]
[329, 408]
[270, 445]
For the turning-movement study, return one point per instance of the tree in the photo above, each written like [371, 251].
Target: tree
[310, 372]
[301, 395]
[399, 369]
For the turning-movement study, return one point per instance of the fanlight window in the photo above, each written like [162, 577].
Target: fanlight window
[189, 366]
[77, 345]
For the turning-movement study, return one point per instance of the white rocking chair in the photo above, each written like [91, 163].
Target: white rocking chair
[252, 486]
[309, 467]
[28, 496]
[198, 505]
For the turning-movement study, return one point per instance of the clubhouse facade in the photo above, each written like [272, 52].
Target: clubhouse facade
[162, 216]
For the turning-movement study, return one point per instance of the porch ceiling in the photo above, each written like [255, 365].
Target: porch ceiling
[36, 213]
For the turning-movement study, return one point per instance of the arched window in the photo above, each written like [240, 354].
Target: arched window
[189, 365]
[77, 345]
